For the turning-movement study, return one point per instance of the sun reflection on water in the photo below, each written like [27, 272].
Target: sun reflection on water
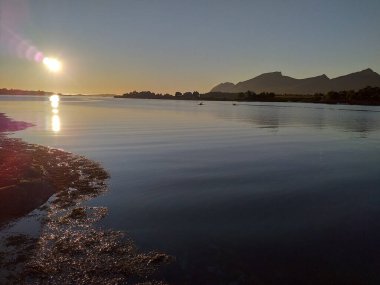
[55, 119]
[55, 123]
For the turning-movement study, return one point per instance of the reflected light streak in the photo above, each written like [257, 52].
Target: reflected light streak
[54, 101]
[55, 120]
[55, 123]
[54, 104]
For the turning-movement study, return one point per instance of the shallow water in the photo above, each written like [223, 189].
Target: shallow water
[258, 193]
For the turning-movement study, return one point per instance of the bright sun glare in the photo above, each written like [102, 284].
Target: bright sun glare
[52, 64]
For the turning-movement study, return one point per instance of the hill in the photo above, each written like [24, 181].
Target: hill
[281, 84]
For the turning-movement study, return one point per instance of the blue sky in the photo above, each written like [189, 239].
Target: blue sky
[116, 46]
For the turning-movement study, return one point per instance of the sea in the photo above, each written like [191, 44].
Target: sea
[243, 193]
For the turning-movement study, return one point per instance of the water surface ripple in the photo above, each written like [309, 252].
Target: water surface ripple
[248, 194]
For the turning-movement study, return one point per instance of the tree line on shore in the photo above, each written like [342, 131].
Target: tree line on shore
[5, 91]
[368, 96]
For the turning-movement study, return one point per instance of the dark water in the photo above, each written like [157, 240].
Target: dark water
[258, 193]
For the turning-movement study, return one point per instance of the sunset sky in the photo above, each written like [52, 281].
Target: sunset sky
[117, 46]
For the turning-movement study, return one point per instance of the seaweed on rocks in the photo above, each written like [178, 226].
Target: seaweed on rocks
[71, 247]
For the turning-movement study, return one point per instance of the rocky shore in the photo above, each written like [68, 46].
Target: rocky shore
[70, 248]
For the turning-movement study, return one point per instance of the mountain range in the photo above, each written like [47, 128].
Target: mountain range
[281, 84]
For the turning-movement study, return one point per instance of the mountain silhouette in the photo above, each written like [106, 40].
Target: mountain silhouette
[278, 83]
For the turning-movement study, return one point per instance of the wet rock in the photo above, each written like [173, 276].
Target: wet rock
[77, 213]
[159, 258]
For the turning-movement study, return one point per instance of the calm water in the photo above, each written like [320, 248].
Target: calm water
[259, 193]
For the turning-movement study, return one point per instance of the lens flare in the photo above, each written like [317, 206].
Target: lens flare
[52, 64]
[18, 46]
[38, 57]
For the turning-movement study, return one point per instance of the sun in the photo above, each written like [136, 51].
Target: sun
[52, 64]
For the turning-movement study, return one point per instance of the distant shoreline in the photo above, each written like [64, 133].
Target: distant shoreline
[276, 100]
[369, 96]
